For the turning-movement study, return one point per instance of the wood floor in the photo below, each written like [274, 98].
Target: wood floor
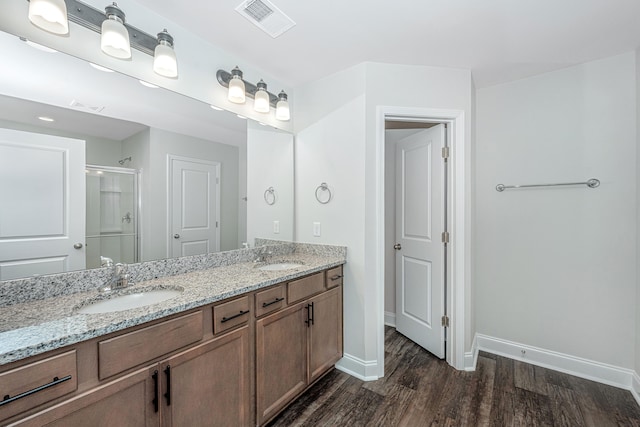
[420, 390]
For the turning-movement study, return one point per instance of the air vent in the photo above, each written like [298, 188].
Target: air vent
[266, 16]
[92, 108]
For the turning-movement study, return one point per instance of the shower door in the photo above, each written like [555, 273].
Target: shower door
[112, 215]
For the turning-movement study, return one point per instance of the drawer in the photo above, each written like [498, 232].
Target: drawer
[230, 314]
[270, 300]
[126, 351]
[52, 377]
[334, 277]
[307, 286]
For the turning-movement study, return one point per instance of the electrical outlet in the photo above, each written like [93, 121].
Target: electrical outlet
[316, 229]
[276, 227]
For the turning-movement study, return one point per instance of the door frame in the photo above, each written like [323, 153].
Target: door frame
[170, 159]
[458, 250]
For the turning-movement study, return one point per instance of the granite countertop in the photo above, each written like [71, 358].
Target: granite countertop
[31, 328]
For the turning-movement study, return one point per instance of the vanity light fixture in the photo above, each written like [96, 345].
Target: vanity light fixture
[164, 57]
[50, 15]
[236, 87]
[263, 99]
[115, 36]
[282, 107]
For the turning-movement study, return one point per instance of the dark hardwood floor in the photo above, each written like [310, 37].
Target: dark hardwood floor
[420, 390]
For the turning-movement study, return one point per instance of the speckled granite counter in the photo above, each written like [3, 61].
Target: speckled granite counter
[37, 326]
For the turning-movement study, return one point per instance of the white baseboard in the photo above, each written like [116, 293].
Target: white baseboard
[390, 319]
[583, 368]
[361, 369]
[471, 357]
[635, 387]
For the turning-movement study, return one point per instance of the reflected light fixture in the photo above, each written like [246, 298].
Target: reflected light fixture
[101, 68]
[38, 46]
[46, 119]
[147, 84]
[282, 107]
[216, 107]
[164, 57]
[261, 98]
[115, 36]
[50, 15]
[236, 87]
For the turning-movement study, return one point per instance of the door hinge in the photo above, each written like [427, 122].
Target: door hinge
[445, 237]
[445, 321]
[216, 224]
[445, 153]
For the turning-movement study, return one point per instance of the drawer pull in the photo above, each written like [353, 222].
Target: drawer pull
[336, 277]
[275, 301]
[56, 381]
[310, 315]
[155, 391]
[167, 395]
[242, 313]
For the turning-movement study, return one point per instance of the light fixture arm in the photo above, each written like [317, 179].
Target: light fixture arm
[91, 18]
[250, 89]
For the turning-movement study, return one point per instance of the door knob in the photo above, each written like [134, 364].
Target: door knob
[397, 246]
[176, 236]
[77, 246]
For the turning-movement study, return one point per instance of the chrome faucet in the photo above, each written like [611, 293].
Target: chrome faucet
[262, 255]
[119, 278]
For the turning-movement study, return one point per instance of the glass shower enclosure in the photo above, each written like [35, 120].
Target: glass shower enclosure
[113, 205]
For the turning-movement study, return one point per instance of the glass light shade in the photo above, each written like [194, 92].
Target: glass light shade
[261, 101]
[164, 61]
[236, 90]
[282, 110]
[50, 15]
[115, 39]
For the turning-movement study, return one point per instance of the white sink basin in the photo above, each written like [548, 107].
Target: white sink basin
[129, 301]
[279, 266]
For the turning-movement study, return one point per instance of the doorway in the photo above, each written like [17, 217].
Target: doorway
[415, 227]
[458, 261]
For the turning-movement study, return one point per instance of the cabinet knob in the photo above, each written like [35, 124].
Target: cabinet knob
[397, 246]
[77, 246]
[176, 236]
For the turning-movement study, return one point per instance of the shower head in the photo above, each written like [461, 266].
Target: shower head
[124, 160]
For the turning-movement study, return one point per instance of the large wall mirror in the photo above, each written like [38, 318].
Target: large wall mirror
[95, 167]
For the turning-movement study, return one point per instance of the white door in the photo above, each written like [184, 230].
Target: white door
[420, 221]
[42, 204]
[194, 200]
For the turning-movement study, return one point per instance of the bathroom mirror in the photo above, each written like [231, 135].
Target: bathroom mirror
[158, 167]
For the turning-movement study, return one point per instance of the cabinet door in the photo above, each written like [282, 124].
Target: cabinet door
[125, 402]
[281, 359]
[208, 385]
[325, 334]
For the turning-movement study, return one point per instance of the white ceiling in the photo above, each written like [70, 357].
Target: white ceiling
[499, 40]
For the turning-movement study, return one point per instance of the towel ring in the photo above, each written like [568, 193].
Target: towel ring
[270, 196]
[323, 187]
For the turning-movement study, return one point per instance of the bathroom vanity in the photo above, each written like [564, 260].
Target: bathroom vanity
[224, 352]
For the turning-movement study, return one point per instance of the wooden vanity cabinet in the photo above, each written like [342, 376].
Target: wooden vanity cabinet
[215, 366]
[295, 347]
[126, 401]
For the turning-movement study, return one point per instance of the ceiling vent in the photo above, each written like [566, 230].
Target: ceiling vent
[92, 108]
[266, 16]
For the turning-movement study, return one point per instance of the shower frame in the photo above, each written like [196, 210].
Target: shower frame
[137, 197]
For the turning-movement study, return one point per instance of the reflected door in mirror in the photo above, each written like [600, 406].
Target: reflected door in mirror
[194, 202]
[42, 209]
